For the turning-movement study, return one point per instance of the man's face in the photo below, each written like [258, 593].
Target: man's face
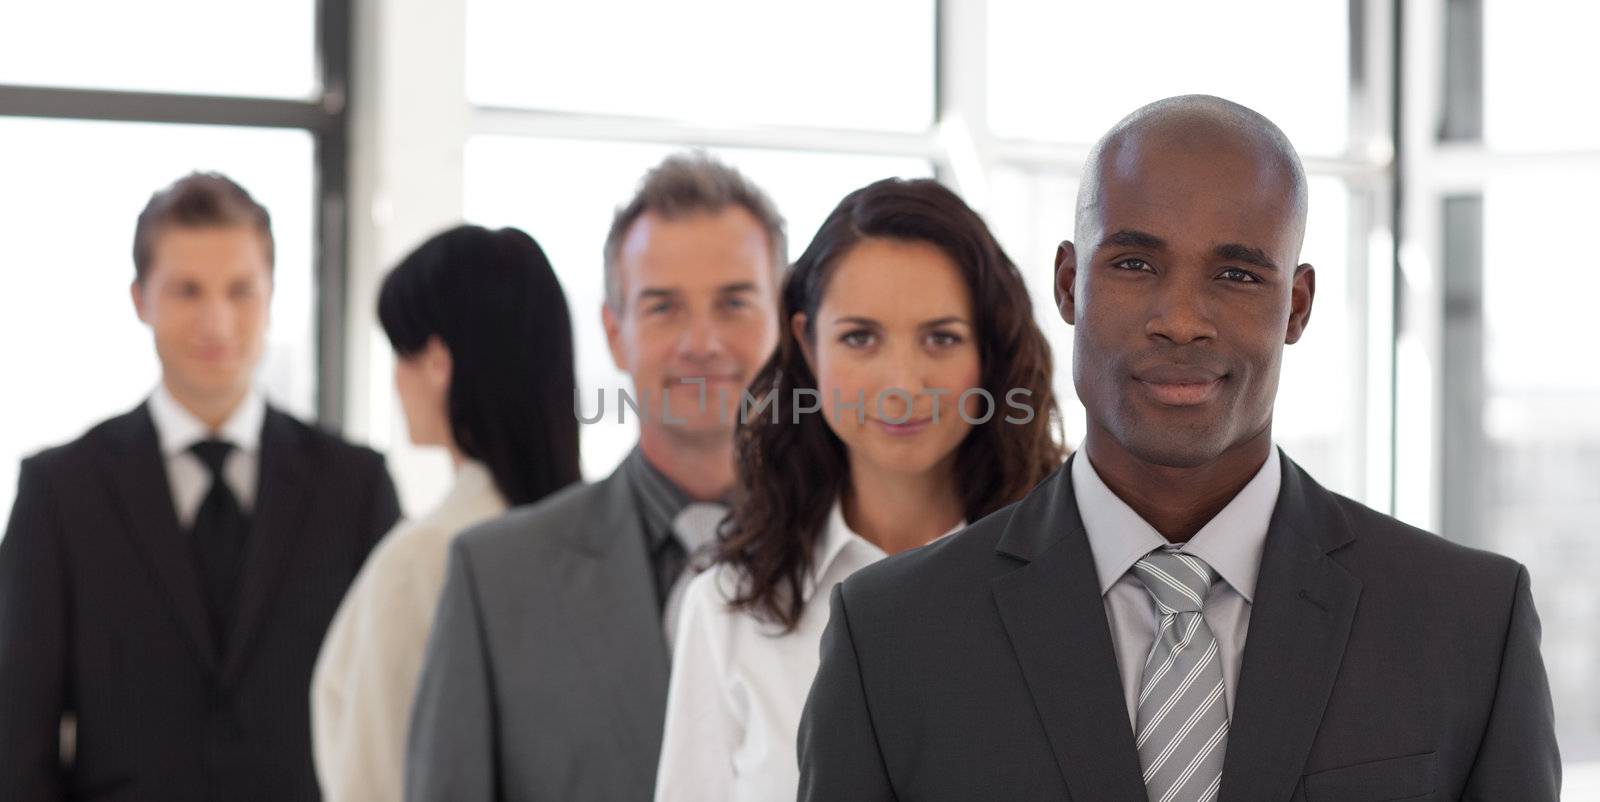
[698, 305]
[1183, 290]
[205, 297]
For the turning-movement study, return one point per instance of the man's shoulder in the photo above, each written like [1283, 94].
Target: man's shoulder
[326, 446]
[100, 442]
[534, 528]
[1385, 548]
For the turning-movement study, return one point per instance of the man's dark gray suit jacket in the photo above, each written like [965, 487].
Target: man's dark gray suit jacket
[1382, 663]
[546, 673]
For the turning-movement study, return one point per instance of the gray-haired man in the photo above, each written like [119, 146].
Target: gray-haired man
[546, 674]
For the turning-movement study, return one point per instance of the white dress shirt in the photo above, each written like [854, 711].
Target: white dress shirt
[739, 683]
[1230, 543]
[371, 659]
[177, 429]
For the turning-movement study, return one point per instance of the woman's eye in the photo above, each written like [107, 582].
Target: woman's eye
[944, 339]
[857, 339]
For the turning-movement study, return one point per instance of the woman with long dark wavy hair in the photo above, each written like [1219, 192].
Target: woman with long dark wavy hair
[484, 369]
[910, 393]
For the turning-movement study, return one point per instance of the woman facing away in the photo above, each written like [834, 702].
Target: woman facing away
[484, 369]
[913, 331]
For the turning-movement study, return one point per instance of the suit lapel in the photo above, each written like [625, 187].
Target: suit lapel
[139, 475]
[277, 524]
[1055, 616]
[609, 604]
[1299, 622]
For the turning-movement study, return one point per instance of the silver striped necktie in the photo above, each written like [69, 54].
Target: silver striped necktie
[1183, 711]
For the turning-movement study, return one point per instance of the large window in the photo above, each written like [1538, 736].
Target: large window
[1507, 386]
[835, 64]
[1066, 71]
[1539, 490]
[1055, 83]
[144, 94]
[200, 47]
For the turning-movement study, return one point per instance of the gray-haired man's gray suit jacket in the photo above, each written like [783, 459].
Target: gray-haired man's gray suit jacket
[1383, 663]
[546, 673]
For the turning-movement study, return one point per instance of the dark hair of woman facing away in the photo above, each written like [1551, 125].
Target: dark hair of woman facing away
[492, 298]
[791, 473]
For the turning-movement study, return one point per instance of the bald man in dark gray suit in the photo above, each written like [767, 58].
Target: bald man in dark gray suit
[1182, 613]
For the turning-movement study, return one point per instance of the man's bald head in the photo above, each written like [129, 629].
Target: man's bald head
[1184, 283]
[1200, 129]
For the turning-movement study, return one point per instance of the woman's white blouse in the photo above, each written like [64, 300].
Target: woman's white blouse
[738, 686]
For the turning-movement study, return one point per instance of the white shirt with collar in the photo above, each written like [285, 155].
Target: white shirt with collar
[1231, 543]
[177, 429]
[739, 683]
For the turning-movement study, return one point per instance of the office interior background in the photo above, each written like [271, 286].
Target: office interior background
[1448, 375]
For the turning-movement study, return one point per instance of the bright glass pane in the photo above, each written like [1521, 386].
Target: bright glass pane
[1541, 75]
[1031, 213]
[824, 63]
[187, 46]
[1066, 71]
[1322, 391]
[77, 352]
[1541, 464]
[1321, 394]
[508, 183]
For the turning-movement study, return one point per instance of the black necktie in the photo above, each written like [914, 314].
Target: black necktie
[218, 538]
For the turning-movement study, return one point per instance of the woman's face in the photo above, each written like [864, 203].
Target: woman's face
[893, 351]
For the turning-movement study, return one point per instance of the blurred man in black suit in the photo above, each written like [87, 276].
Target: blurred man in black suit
[166, 579]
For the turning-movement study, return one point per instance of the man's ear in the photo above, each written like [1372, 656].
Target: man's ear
[613, 326]
[797, 327]
[136, 291]
[1301, 293]
[1066, 275]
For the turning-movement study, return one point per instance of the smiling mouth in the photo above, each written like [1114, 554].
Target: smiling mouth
[906, 429]
[1184, 393]
[694, 381]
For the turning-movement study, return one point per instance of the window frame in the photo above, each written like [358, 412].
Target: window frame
[323, 115]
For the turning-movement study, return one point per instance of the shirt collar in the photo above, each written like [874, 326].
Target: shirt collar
[1231, 543]
[658, 498]
[177, 428]
[838, 536]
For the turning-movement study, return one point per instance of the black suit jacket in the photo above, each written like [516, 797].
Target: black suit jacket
[102, 619]
[1382, 663]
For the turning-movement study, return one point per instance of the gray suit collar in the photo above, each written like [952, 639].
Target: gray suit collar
[611, 516]
[1300, 621]
[1054, 615]
[608, 604]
